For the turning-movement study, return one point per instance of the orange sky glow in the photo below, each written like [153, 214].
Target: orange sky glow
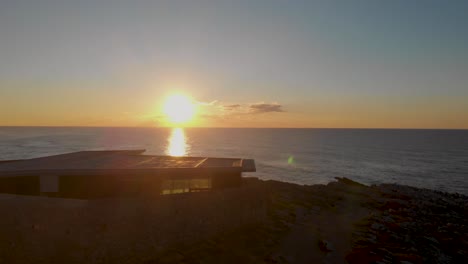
[241, 64]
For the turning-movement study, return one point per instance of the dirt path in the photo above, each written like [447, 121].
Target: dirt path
[324, 234]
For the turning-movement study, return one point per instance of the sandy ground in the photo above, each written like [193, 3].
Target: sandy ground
[261, 222]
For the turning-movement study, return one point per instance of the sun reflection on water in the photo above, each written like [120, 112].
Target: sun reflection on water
[177, 143]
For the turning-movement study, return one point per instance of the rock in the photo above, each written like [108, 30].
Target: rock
[372, 239]
[388, 219]
[325, 246]
[409, 258]
[315, 209]
[433, 240]
[270, 259]
[378, 226]
[349, 182]
[363, 255]
[393, 227]
[394, 205]
[416, 226]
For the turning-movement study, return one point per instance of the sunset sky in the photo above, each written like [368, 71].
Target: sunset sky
[275, 63]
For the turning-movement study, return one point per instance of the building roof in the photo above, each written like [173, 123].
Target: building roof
[118, 161]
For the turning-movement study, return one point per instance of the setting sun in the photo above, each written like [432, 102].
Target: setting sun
[179, 108]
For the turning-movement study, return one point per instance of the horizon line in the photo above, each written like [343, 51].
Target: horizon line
[361, 128]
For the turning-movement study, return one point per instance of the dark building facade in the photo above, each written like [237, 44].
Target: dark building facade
[99, 174]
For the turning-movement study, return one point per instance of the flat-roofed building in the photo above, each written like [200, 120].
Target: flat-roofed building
[95, 174]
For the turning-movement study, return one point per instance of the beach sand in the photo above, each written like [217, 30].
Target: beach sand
[261, 222]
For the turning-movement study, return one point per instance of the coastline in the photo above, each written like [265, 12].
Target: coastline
[261, 222]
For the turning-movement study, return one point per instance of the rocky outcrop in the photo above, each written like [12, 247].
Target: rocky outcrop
[411, 225]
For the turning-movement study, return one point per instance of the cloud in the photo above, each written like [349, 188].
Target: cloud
[231, 107]
[265, 108]
[212, 116]
[214, 102]
[218, 111]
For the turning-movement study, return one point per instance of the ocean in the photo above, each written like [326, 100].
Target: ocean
[435, 159]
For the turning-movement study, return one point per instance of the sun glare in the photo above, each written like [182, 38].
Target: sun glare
[179, 109]
[177, 143]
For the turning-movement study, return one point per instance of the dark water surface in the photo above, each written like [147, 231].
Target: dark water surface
[436, 159]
